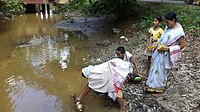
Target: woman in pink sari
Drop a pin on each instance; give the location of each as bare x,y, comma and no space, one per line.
165,54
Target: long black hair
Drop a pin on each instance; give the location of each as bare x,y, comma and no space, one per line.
171,16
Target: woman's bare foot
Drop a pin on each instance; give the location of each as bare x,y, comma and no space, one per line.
77,100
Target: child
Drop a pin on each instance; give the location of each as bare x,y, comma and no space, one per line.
153,35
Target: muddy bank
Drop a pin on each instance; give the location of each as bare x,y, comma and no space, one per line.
89,26
183,89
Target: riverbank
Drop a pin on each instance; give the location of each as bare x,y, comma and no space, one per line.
183,89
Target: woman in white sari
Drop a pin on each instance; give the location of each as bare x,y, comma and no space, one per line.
166,53
107,77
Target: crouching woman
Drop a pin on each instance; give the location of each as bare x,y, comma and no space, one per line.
107,77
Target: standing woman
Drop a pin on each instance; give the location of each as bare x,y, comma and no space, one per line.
165,54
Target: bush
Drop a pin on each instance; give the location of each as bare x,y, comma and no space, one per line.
102,7
188,16
9,8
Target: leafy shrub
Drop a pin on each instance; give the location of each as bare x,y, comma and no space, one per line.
187,15
102,7
9,8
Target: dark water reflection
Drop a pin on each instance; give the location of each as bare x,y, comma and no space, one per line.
40,66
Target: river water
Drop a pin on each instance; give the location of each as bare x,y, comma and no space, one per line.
40,66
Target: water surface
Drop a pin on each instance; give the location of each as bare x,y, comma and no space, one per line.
40,66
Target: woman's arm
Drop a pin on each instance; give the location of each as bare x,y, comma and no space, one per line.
181,42
132,60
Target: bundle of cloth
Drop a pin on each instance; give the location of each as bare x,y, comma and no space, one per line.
108,77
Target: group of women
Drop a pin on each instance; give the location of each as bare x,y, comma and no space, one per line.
109,76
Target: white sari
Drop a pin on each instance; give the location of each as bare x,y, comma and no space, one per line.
103,77
162,62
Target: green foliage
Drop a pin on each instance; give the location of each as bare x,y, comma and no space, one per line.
117,7
9,8
102,7
188,16
72,5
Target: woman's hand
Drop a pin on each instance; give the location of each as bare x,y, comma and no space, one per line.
161,48
165,48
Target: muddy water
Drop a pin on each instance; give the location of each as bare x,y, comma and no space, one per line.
40,66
